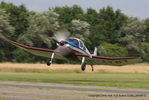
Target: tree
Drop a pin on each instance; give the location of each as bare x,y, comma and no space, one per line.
112,50
111,21
18,16
18,19
79,29
91,16
105,26
145,51
6,31
131,34
41,28
77,12
67,14
146,33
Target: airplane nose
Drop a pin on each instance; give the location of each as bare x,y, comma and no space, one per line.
62,42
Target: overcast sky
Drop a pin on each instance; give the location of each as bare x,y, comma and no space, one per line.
139,8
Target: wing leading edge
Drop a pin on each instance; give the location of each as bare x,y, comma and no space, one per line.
36,51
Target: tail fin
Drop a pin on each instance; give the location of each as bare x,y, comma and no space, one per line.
95,52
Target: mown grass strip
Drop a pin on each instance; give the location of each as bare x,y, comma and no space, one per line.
94,79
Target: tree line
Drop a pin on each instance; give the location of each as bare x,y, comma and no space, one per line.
114,33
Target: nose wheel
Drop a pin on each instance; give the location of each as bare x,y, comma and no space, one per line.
49,61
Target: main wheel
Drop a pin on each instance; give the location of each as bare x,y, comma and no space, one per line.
83,66
48,62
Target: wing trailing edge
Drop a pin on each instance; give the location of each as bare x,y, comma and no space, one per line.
107,58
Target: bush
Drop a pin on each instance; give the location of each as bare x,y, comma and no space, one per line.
115,50
145,51
112,50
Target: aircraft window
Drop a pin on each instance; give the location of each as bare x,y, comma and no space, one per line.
75,41
81,44
84,48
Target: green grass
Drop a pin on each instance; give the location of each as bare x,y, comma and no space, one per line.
94,79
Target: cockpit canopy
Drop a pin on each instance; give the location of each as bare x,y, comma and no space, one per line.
78,42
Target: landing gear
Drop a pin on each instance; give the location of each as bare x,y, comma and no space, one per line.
83,66
92,68
49,61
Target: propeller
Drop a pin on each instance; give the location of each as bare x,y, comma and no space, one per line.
61,36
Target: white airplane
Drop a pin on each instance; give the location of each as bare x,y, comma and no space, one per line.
71,49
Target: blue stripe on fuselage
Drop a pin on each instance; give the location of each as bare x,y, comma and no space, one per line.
74,45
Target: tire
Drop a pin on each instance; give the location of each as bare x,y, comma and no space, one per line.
83,66
48,62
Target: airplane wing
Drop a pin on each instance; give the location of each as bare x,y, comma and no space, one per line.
107,58
113,58
96,59
47,53
36,51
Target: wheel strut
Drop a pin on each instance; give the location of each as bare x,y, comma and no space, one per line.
49,61
83,65
92,68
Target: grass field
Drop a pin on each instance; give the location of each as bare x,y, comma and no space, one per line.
17,67
131,76
95,79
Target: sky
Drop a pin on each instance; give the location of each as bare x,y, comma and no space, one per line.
135,8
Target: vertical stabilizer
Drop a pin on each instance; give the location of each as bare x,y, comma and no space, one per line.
95,52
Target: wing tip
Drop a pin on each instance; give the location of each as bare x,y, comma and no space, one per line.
28,47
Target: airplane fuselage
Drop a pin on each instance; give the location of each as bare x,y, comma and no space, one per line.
69,48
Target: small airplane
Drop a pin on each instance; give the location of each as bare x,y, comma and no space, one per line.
71,49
